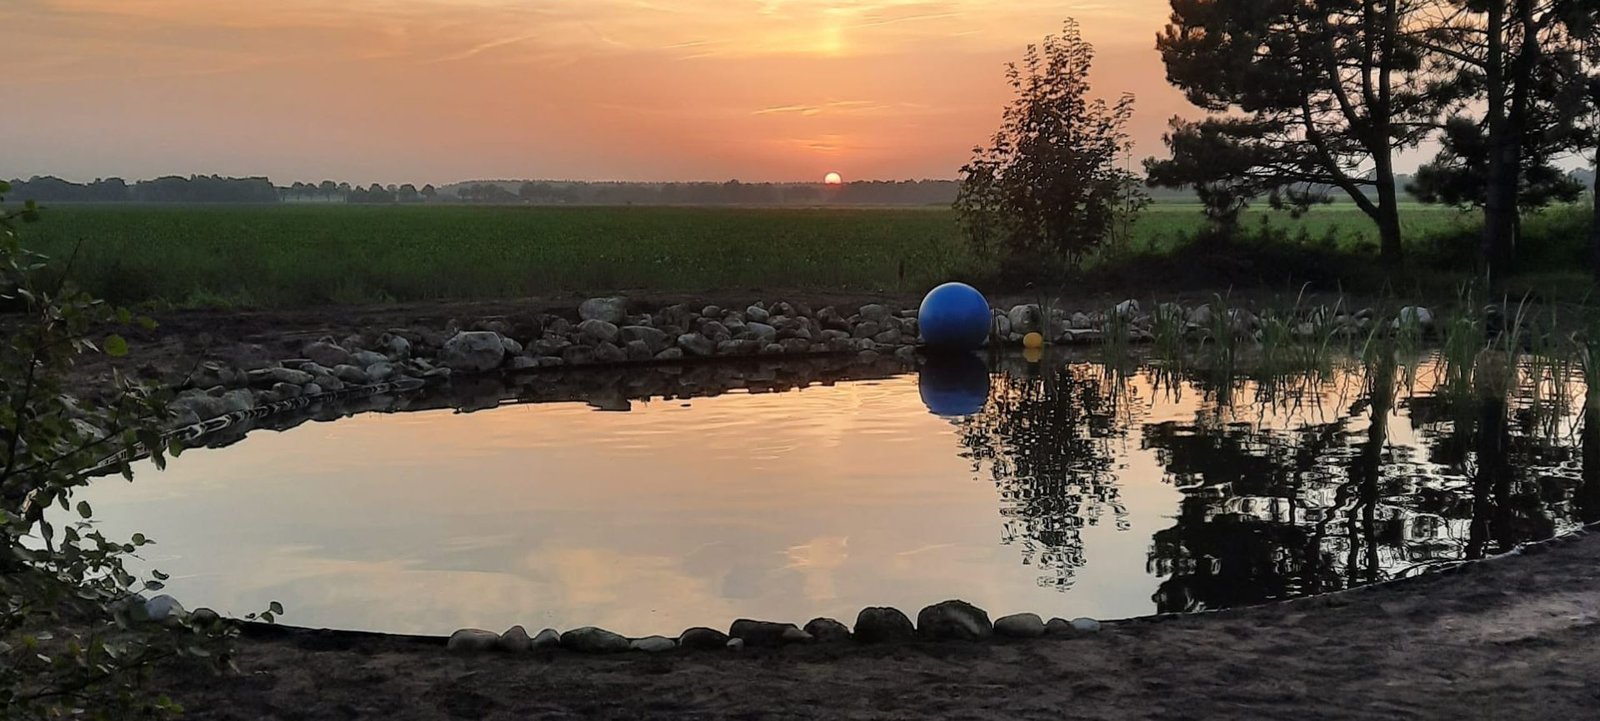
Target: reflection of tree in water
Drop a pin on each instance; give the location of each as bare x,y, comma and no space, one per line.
1045,436
1274,513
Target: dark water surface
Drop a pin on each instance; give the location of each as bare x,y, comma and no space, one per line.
1055,487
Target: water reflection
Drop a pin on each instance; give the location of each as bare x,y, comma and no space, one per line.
1057,485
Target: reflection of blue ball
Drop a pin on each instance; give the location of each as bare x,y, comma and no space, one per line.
954,316
954,384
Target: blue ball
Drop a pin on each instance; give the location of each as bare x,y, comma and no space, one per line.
954,316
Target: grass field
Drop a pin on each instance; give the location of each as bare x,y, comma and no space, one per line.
311,254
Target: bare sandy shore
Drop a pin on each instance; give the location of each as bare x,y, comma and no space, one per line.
1511,638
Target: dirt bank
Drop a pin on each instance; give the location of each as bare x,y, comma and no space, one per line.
1512,638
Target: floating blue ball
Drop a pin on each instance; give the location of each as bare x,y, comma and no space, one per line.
954,316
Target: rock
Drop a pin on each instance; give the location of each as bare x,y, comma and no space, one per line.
593,332
325,353
875,312
766,633
1025,318
827,630
1084,624
1126,309
204,617
611,310
609,353
715,331
1058,627
701,637
546,639
756,314
397,348
272,376
521,363
577,355
867,329
515,640
761,332
831,319
711,311
472,352
1202,316
195,406
883,624
868,357
549,346
954,620
1020,625
695,345
473,639
364,358
637,351
352,375
906,354
890,337
735,644
329,383
512,347
381,372
311,389
1413,316
653,644
593,640
653,338
236,401
670,354
286,390
771,349
164,607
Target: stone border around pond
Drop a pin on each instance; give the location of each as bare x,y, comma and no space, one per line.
402,360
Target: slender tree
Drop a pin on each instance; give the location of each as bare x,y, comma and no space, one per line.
1307,97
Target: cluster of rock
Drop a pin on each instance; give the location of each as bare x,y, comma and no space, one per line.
1194,323
947,621
604,333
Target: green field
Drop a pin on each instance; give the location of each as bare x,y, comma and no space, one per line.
312,254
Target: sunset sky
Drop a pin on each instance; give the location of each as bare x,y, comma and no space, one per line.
445,90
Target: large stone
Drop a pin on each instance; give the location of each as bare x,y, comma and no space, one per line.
827,630
883,624
473,639
515,640
163,607
473,351
957,620
654,338
364,358
1413,316
1084,624
238,400
590,639
875,312
272,376
1020,625
715,331
767,633
382,372
695,345
398,348
611,310
546,639
593,332
761,332
756,314
1025,318
351,374
609,353
653,644
638,351
701,637
325,353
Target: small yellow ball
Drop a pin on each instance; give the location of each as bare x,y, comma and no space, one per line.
1033,355
1033,340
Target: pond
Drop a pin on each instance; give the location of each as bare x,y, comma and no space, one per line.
1061,487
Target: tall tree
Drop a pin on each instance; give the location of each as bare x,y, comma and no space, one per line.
1307,96
1522,60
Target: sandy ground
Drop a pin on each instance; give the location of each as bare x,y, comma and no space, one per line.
1511,638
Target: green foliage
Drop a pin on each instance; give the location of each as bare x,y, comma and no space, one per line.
1049,188
74,641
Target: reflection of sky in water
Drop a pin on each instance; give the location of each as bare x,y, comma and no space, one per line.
779,506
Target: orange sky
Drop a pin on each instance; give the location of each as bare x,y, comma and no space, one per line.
443,90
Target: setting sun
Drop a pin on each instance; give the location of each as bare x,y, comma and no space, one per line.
832,179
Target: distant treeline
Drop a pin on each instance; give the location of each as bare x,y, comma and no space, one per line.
219,189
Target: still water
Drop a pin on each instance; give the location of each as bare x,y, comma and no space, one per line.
1056,487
